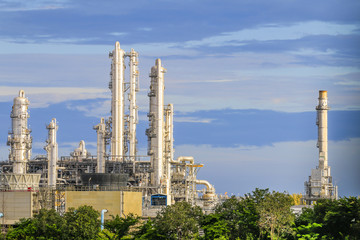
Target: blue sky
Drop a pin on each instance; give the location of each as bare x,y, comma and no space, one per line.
243,77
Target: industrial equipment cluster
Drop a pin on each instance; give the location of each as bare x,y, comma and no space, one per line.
118,178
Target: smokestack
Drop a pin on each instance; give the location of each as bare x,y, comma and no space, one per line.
322,111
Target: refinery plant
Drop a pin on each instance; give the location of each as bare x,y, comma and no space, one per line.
118,178
58,182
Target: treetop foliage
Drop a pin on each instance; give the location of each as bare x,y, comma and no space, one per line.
258,215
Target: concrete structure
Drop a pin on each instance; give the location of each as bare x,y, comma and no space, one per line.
320,183
119,203
17,205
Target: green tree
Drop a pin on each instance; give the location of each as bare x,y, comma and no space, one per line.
82,223
240,215
215,228
340,219
178,221
120,226
47,224
147,231
307,232
276,218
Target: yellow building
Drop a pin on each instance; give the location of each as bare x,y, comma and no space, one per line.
116,202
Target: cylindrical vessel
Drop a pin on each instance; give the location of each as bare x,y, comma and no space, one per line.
157,121
19,139
117,106
52,153
133,118
101,147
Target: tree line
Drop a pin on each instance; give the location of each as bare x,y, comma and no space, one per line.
258,215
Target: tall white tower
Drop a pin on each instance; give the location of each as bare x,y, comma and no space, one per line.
19,139
155,132
101,145
52,153
320,182
321,121
133,109
117,103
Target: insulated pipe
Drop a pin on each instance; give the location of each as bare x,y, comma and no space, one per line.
322,110
117,103
209,187
19,139
101,147
210,190
186,159
52,153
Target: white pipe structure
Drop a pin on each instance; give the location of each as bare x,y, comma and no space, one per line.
101,145
322,119
169,145
117,103
156,117
52,153
210,190
19,139
133,114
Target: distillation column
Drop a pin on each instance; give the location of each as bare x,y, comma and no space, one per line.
169,145
52,153
19,139
156,117
117,103
133,114
101,145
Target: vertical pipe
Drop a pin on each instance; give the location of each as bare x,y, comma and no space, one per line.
134,76
117,103
102,218
52,152
19,139
322,112
101,147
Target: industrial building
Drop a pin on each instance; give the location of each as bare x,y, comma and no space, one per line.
117,178
320,184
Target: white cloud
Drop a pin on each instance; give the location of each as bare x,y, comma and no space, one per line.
146,29
44,96
98,109
192,119
118,33
34,5
282,167
273,32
